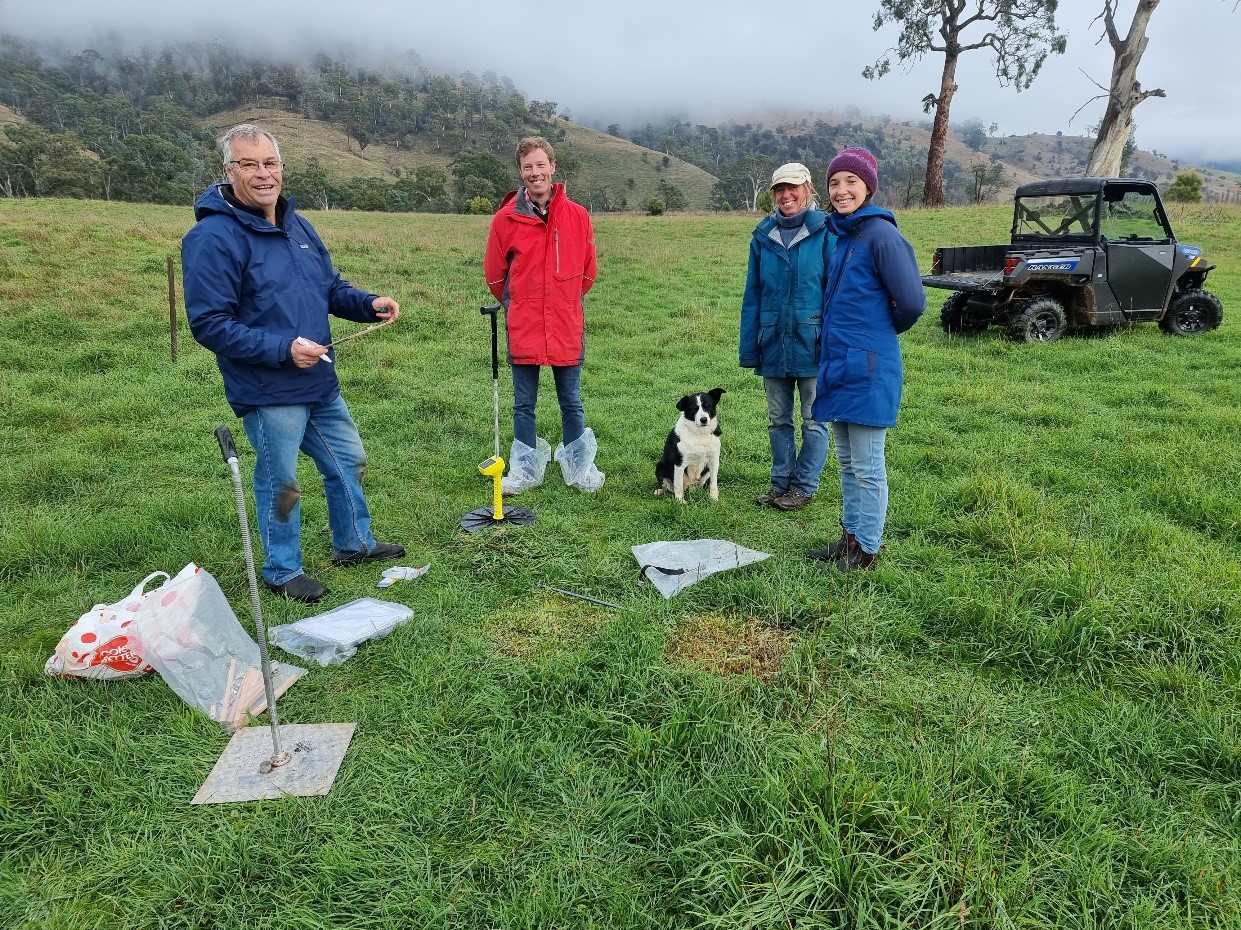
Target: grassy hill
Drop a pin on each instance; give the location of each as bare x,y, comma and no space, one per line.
627,170
612,168
1061,155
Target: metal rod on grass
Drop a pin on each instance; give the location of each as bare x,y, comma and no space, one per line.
583,597
228,449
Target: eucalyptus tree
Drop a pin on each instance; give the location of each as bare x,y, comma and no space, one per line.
1019,33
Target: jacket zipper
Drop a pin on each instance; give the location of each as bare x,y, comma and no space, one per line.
556,239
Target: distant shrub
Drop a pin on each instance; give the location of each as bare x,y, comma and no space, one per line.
1187,188
656,206
479,206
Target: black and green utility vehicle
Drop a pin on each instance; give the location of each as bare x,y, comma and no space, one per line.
1085,252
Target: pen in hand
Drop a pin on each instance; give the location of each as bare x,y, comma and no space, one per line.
302,340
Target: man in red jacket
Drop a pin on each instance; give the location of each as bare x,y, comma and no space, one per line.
540,262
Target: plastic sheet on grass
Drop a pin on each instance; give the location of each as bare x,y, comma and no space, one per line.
674,566
332,637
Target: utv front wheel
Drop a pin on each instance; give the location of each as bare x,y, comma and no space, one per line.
956,320
1040,320
1192,312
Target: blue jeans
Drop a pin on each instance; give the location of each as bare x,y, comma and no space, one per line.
327,434
863,481
791,470
568,392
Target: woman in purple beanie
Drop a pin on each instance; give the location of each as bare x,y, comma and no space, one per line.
874,292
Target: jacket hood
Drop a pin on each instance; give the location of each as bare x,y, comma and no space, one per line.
815,218
213,200
843,225
521,206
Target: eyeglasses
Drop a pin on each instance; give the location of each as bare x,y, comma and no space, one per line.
249,165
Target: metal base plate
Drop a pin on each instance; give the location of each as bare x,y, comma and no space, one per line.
316,752
484,518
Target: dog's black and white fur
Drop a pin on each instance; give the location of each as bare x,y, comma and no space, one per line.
692,450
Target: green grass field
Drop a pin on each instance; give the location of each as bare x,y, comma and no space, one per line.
1025,717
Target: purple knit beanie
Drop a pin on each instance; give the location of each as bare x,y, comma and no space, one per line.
860,162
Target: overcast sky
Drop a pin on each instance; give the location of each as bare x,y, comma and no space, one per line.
709,60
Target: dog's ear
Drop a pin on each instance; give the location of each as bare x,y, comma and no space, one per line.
684,402
715,393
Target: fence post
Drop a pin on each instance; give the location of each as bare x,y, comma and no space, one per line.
172,310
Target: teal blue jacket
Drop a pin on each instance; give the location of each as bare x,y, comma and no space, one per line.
782,309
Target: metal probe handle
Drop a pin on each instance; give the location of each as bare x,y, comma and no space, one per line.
493,310
228,449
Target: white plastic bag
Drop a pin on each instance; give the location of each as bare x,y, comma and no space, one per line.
195,642
674,566
332,637
526,466
577,462
102,644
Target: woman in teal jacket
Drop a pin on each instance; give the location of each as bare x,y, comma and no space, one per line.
781,315
874,292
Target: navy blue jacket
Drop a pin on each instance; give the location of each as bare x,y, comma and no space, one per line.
251,288
782,309
874,292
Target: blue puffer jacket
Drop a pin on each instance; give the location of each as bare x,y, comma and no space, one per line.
251,288
782,309
874,292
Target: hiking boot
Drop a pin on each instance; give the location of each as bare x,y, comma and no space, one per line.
793,500
302,588
381,553
856,558
835,550
768,497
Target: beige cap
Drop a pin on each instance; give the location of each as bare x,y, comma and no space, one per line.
794,173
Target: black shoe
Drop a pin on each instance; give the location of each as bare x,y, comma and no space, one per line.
835,550
856,559
302,588
381,553
768,497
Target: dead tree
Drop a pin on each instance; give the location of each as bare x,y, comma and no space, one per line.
1125,92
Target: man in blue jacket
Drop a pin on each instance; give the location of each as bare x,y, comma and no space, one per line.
259,285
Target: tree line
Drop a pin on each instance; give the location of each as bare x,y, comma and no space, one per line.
126,126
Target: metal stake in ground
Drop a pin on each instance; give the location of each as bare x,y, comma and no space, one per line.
246,772
487,517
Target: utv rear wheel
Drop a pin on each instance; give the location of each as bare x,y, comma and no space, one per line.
1040,320
1192,312
956,320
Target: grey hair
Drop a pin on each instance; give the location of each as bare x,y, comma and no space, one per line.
250,133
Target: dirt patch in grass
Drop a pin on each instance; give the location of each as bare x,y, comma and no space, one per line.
540,626
729,645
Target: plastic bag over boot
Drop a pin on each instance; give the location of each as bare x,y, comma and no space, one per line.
526,466
577,462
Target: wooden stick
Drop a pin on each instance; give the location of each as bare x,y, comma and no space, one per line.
251,683
226,700
363,332
260,703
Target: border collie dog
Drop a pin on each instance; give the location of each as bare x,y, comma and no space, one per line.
692,450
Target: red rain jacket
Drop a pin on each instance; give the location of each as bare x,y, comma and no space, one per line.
540,271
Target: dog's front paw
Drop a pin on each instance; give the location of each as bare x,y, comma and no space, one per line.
659,492
715,495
